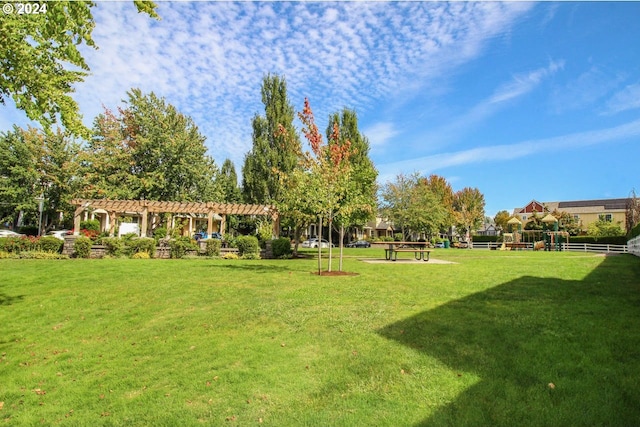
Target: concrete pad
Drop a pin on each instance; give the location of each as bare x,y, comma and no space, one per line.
405,261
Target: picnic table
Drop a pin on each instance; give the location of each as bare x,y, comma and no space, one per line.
419,249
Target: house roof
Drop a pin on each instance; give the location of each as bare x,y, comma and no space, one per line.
608,204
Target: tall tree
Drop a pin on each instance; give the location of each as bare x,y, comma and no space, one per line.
33,163
468,204
397,199
441,188
154,149
40,61
275,145
229,182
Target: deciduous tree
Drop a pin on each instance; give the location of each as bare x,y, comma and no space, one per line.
468,204
40,60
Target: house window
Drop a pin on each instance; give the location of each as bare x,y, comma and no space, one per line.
605,217
524,217
577,218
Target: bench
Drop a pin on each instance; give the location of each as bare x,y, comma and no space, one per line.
417,253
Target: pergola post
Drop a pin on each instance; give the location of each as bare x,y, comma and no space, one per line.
210,222
223,223
143,228
276,225
113,219
76,220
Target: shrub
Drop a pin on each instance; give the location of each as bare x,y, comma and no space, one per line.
635,231
251,255
160,233
41,255
90,225
141,255
5,254
50,244
212,247
180,245
281,247
230,255
15,244
82,247
142,244
114,246
247,245
480,239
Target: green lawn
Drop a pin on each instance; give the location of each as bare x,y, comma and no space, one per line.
499,338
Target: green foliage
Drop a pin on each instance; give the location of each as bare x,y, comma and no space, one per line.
114,246
251,255
603,240
82,247
90,225
159,233
15,244
180,245
39,255
635,231
141,255
468,206
602,228
264,232
32,164
275,145
247,245
229,182
281,247
212,247
164,157
50,244
142,244
501,220
40,60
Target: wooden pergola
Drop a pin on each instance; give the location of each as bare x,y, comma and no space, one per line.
115,208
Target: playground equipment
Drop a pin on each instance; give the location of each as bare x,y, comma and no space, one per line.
549,238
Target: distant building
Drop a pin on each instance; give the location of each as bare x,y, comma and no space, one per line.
585,212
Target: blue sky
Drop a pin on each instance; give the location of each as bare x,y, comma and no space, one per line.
521,100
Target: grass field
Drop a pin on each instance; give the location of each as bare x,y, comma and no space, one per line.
498,338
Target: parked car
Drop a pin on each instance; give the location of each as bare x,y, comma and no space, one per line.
59,234
9,233
313,243
358,244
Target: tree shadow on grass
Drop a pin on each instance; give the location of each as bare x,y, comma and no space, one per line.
8,299
258,268
547,351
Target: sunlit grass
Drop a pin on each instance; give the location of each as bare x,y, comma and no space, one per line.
215,342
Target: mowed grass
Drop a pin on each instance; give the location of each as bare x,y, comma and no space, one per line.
499,338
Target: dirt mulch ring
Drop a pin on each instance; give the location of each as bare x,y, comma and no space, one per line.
334,273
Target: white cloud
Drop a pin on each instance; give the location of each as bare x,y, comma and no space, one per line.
379,134
626,99
498,153
208,58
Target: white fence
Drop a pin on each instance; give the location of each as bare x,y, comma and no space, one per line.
577,247
633,246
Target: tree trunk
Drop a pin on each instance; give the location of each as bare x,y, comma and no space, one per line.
296,236
330,251
319,239
341,246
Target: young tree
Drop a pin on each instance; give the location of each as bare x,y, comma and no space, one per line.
468,204
275,145
396,201
441,188
40,61
359,208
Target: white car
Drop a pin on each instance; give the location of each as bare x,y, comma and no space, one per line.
9,233
313,243
58,234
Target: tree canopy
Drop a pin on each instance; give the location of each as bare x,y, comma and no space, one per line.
40,61
157,152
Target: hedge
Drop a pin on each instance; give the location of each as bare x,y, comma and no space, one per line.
212,247
635,232
610,240
82,247
482,239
